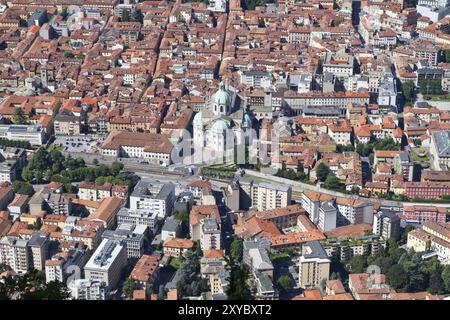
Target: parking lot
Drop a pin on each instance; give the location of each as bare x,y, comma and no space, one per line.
78,144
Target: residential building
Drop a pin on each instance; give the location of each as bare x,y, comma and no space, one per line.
139,217
177,247
15,253
64,263
267,196
210,234
314,265
154,197
171,228
387,225
131,235
38,244
146,270
327,217
85,289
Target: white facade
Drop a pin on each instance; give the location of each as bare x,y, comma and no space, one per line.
106,263
85,289
327,217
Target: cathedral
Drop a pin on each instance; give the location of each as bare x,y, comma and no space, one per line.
224,114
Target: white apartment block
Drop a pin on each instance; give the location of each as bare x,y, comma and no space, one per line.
327,217
85,289
14,252
153,197
353,212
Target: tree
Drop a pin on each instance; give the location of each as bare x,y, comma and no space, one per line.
236,248
19,116
408,90
238,280
285,283
397,277
56,290
333,183
32,286
345,148
357,264
161,293
116,167
446,277
404,236
261,23
38,224
447,56
436,283
410,3
430,86
322,172
100,181
128,287
69,55
125,16
95,162
22,187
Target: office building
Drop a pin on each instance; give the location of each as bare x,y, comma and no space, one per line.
107,263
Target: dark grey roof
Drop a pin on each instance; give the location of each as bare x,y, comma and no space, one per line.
38,239
317,251
442,142
145,189
171,224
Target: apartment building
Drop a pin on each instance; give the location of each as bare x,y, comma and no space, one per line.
107,263
427,190
267,196
177,247
432,237
197,215
14,252
139,217
210,236
131,235
171,228
311,202
387,225
146,270
353,211
284,217
341,65
327,217
154,197
85,289
314,265
38,244
12,161
62,264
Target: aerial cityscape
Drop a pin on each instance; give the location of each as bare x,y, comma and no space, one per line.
224,150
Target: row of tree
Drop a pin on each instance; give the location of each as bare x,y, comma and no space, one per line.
45,166
15,143
405,271
32,286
